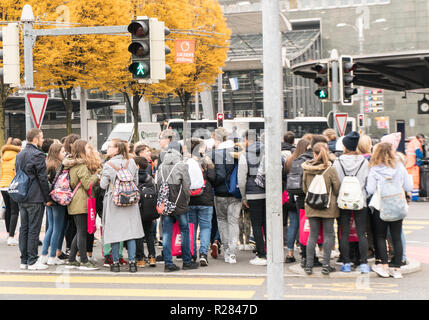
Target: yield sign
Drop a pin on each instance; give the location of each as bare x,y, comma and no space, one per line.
37,103
341,121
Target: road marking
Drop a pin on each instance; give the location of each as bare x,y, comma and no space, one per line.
116,292
325,297
423,222
406,227
135,280
349,287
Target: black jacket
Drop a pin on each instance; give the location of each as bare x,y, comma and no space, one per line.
288,146
209,174
33,161
224,162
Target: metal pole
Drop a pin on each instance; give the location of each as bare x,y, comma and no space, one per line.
27,19
197,106
335,86
361,89
273,113
220,93
83,115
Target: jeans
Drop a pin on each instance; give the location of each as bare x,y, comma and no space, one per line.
80,239
131,246
167,234
228,214
12,213
56,216
293,228
329,238
201,216
31,222
404,256
259,225
150,241
360,221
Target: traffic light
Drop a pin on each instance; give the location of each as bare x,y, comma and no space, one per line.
347,68
148,49
220,117
322,80
360,120
9,54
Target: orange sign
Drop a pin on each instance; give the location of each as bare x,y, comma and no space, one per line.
185,51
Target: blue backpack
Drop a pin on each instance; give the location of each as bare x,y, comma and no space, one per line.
233,183
18,188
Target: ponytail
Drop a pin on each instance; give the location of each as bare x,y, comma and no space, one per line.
322,153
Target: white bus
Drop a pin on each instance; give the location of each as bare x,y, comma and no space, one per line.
202,129
315,125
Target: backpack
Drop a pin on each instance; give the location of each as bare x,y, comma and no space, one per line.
294,177
393,204
197,179
317,194
350,196
233,188
18,188
163,204
125,191
62,192
148,197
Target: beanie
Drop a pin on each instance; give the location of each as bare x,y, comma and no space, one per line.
351,141
393,138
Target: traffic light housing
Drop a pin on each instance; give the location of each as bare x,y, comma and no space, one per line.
9,54
361,123
148,50
220,117
347,77
322,80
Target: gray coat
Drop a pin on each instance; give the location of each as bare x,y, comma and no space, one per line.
119,223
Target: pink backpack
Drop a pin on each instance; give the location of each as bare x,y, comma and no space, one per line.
62,192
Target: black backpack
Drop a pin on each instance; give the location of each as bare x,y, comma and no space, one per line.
148,198
294,177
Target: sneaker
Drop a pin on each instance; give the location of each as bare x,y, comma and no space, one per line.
78,258
107,261
23,266
114,267
290,259
38,266
203,260
63,256
179,257
52,261
326,270
72,264
160,258
380,270
194,258
231,259
122,262
152,262
308,270
257,261
364,268
190,266
141,263
159,244
43,259
395,273
215,248
335,254
12,241
133,267
248,247
346,267
171,268
92,259
89,266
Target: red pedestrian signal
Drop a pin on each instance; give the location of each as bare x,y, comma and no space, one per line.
220,120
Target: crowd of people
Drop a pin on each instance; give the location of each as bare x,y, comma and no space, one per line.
217,196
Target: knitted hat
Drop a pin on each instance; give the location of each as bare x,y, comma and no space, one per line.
351,141
393,138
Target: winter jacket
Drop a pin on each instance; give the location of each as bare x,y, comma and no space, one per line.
79,172
8,158
247,171
332,145
119,223
311,169
224,161
380,172
351,164
209,174
287,147
179,181
33,161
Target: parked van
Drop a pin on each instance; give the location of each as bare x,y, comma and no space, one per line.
148,132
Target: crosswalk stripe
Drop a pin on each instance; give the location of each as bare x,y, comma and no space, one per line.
114,292
421,222
407,227
135,280
325,297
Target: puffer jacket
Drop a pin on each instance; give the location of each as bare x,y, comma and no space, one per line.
179,181
79,172
311,169
8,158
247,171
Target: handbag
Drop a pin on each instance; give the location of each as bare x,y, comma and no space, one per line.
176,239
304,229
92,215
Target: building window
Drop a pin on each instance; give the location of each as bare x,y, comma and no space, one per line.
330,4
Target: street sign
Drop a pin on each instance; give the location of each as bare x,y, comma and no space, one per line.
37,103
341,121
185,51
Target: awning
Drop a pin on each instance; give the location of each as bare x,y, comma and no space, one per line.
405,71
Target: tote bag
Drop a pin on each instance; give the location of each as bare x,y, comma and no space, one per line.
92,216
176,239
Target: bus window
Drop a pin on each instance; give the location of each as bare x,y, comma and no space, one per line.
300,128
258,127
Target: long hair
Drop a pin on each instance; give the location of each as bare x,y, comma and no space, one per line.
53,159
122,148
301,147
78,152
14,142
322,153
383,154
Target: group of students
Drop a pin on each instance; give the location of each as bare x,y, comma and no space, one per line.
203,189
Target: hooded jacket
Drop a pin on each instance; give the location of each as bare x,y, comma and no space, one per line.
379,173
311,169
225,157
351,164
179,181
8,158
247,171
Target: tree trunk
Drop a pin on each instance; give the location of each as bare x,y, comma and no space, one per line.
184,101
68,106
135,110
4,93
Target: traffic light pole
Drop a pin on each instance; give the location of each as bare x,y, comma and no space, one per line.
335,86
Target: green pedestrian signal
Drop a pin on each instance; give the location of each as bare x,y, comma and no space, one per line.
139,69
322,94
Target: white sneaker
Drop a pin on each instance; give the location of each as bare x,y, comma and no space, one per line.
78,258
12,241
380,270
38,266
395,273
335,254
92,259
258,261
248,247
23,266
43,259
54,261
232,259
